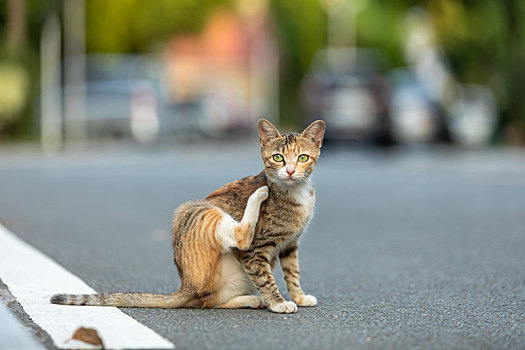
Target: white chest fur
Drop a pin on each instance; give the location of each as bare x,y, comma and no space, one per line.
304,195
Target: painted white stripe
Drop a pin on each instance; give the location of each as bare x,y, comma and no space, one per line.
33,278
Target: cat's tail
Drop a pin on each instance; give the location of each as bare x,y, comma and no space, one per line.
167,301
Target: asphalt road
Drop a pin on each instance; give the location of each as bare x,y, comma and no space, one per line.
408,249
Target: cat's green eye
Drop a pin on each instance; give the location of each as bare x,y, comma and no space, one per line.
303,158
278,157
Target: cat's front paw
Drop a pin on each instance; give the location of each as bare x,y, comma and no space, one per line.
287,307
261,194
307,300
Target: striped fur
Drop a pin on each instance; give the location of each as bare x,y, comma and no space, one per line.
226,245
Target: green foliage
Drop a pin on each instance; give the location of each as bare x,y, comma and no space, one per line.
137,26
301,27
380,24
484,40
13,90
21,71
301,31
473,38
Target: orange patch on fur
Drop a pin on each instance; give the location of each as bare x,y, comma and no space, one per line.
201,253
243,236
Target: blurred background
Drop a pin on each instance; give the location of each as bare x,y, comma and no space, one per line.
113,112
379,72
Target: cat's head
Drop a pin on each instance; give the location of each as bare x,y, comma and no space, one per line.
289,159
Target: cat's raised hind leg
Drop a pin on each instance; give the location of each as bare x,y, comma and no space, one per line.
245,231
240,235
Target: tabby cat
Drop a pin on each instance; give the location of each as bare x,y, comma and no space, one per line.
226,245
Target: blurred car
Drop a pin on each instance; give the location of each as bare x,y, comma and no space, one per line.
345,88
124,97
474,116
416,117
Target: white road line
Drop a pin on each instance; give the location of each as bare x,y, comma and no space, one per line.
33,278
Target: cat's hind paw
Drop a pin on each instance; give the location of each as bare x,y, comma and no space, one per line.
307,300
261,194
287,307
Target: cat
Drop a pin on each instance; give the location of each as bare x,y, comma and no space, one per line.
226,245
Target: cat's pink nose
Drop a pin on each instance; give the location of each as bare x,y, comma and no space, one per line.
290,171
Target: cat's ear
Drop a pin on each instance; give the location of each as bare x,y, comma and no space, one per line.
267,131
315,132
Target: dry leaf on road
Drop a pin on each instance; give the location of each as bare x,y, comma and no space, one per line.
88,335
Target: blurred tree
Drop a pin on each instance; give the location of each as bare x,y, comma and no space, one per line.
19,63
138,26
514,74
485,42
16,26
301,30
380,25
